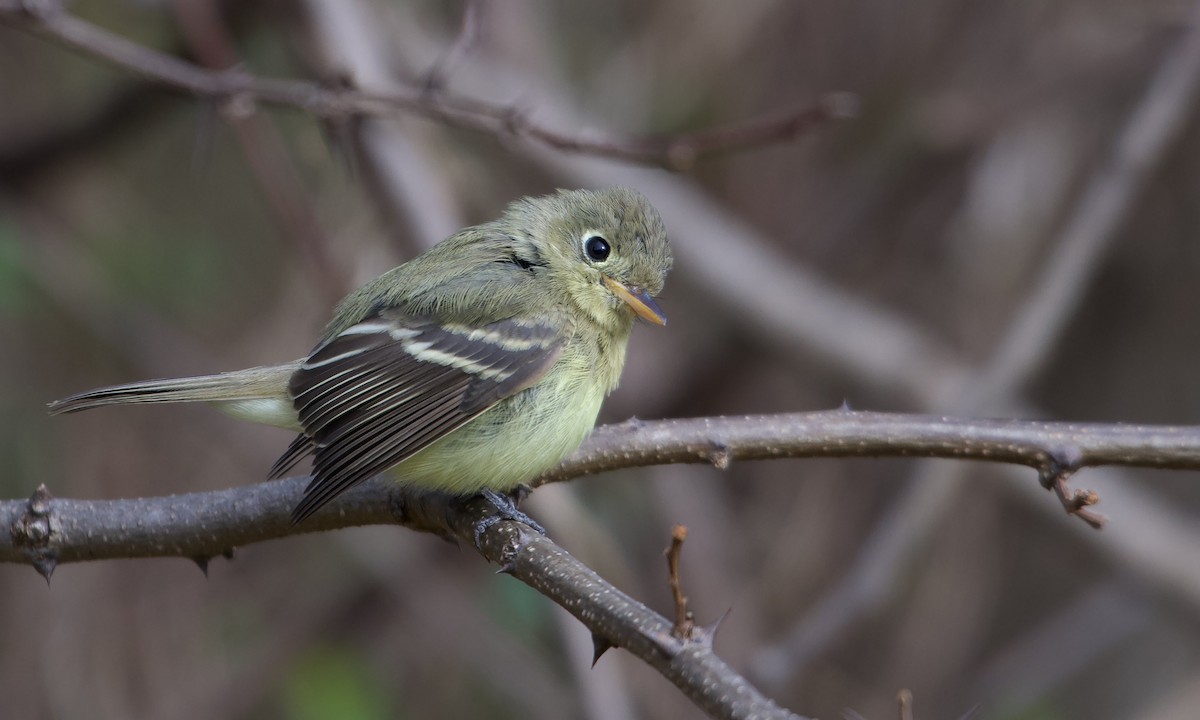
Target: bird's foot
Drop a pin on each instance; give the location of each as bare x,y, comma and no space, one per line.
506,509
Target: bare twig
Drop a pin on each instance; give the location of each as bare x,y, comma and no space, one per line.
464,43
49,19
684,623
904,701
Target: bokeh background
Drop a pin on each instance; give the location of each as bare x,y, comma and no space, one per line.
1006,229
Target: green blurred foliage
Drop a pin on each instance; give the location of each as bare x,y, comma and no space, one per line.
329,682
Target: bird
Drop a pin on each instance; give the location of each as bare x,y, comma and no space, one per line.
472,368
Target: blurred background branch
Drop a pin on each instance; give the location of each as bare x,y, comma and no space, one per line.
239,91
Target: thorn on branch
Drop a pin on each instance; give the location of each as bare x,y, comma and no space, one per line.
684,622
202,563
600,645
708,633
45,563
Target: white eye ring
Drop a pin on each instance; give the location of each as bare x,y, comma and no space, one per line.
595,247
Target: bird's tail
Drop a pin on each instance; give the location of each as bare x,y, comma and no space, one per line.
236,392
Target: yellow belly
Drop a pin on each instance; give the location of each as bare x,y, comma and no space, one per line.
510,443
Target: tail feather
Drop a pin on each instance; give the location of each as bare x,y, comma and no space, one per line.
260,383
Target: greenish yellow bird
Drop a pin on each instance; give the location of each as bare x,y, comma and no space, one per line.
472,368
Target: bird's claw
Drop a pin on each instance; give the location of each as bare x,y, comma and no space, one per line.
506,509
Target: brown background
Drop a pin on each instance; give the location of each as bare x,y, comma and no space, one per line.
882,261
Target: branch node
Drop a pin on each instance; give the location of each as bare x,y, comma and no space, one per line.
39,501
514,121
666,643
35,530
681,155
720,455
600,645
1058,467
36,526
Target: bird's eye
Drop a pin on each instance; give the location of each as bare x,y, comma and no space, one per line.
597,248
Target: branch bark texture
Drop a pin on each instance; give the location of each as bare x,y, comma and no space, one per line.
202,525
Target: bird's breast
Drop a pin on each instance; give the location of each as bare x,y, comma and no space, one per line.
515,440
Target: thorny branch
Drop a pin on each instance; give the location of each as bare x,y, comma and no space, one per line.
208,524
44,531
235,88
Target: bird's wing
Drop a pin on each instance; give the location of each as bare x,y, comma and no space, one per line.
386,387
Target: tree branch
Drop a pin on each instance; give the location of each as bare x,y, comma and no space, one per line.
46,531
202,525
48,19
209,524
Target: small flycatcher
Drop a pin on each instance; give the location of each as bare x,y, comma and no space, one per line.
474,367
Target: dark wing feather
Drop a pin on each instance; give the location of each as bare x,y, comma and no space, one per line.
391,385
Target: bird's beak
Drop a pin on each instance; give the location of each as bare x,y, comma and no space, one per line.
639,300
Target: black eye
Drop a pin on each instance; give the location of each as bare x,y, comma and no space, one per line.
597,248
